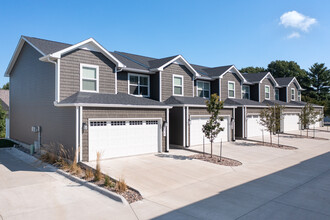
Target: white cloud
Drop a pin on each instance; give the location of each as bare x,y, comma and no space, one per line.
293,35
296,20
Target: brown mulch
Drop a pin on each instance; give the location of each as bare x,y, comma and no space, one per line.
216,159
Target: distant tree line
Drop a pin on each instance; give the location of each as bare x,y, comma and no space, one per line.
316,80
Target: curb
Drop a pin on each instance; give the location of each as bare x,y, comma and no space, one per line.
31,159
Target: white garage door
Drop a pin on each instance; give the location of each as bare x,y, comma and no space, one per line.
253,127
123,138
196,133
291,122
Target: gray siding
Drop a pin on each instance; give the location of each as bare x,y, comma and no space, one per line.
282,94
215,86
254,110
262,89
239,122
176,126
254,92
292,110
91,112
224,86
122,82
167,80
32,93
292,85
70,72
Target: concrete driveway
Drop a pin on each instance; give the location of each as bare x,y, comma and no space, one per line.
30,191
272,183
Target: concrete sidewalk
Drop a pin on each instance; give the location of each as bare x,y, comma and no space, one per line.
29,190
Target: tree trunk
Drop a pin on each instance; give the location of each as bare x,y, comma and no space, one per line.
271,141
211,148
307,132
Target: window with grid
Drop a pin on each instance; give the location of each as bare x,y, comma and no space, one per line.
267,92
292,94
89,78
139,85
203,89
231,89
177,85
246,92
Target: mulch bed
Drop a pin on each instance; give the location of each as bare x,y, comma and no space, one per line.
216,160
131,195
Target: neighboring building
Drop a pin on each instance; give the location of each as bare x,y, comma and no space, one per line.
4,100
121,104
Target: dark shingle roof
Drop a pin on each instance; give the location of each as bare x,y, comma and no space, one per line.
300,103
129,63
254,77
47,46
278,102
235,102
217,71
159,62
100,98
181,100
284,81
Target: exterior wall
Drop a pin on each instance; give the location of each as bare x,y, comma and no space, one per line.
282,94
203,112
122,82
215,86
70,72
176,126
254,92
269,83
239,122
254,110
167,80
32,93
292,85
94,112
292,110
224,86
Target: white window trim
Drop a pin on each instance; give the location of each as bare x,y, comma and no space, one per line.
204,82
173,76
266,92
294,95
138,75
97,76
228,89
278,94
248,91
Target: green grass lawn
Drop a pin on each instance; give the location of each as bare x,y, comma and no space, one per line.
6,143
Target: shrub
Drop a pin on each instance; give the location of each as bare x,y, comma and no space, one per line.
88,174
121,185
107,181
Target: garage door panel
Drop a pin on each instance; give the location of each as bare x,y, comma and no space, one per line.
254,128
196,133
291,122
123,138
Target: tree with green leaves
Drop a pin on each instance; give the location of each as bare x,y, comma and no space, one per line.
6,86
278,117
320,78
251,69
308,116
268,121
212,127
3,115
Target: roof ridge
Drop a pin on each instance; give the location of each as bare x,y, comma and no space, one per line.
127,57
46,40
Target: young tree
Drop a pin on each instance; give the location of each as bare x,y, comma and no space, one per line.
268,120
212,127
278,117
308,116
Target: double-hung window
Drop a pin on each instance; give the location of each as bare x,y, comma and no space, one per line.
267,92
89,78
246,92
138,85
203,89
299,95
178,85
292,94
231,89
277,94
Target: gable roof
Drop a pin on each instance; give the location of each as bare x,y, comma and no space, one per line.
254,77
243,102
286,81
4,99
46,46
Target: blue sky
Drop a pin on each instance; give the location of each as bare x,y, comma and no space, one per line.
211,33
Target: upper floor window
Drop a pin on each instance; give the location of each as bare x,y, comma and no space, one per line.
177,85
246,92
292,94
138,85
299,95
277,94
89,78
267,92
231,89
203,89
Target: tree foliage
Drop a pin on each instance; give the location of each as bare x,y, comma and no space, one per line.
309,116
3,116
319,76
6,86
212,127
268,120
252,69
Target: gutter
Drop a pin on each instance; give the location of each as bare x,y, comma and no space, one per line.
110,105
135,70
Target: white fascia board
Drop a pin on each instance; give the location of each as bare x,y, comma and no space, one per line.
198,106
161,68
16,53
236,70
135,70
269,74
59,54
294,79
206,78
110,105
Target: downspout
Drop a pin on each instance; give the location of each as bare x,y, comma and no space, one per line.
167,131
77,135
187,126
80,132
184,125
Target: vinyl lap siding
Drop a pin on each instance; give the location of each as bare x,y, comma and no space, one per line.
167,80
32,94
271,90
70,72
89,112
122,82
224,86
292,85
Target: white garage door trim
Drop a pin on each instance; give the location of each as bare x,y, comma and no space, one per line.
255,131
291,121
227,117
159,133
